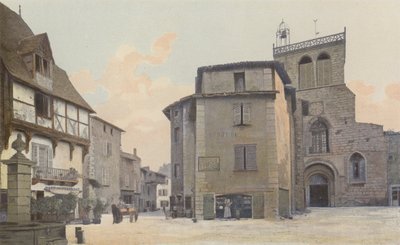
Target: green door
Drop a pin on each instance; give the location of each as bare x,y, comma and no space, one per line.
258,206
208,206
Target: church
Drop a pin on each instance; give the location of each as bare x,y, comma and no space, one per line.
275,137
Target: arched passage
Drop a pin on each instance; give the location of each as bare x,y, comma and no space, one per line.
319,185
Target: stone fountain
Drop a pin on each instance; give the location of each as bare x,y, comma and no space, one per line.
19,229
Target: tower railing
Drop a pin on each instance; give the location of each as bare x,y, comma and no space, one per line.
310,43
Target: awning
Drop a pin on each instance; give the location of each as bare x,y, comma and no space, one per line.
63,190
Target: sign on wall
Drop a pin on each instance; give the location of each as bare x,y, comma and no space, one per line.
208,163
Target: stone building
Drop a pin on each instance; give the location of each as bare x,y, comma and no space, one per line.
319,155
102,164
393,142
232,140
38,100
129,178
148,196
164,189
339,162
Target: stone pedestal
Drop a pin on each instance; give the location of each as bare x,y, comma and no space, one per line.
19,185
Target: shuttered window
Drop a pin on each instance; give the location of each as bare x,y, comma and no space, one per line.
306,73
42,155
357,168
245,157
241,114
324,70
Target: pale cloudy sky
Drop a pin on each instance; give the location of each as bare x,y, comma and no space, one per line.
130,59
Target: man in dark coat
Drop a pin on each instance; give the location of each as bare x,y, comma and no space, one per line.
116,213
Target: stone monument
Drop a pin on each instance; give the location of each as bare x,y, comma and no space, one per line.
19,229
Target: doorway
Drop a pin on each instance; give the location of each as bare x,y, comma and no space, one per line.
318,191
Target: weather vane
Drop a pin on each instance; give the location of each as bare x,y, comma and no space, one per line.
315,27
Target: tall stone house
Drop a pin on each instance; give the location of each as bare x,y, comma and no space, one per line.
148,184
231,141
275,137
102,164
129,178
38,100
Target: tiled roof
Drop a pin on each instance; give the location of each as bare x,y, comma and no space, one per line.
16,38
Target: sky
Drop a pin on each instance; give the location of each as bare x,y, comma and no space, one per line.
130,59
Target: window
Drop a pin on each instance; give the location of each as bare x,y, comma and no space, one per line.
239,82
111,131
148,190
126,180
176,113
104,128
319,138
176,170
305,107
357,168
245,157
324,70
164,203
176,135
107,148
105,177
128,199
241,114
42,105
306,73
42,155
42,66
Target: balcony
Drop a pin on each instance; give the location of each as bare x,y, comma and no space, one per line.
55,176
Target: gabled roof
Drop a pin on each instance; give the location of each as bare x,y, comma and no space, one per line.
32,43
16,38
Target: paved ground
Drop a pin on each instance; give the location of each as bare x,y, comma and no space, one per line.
365,225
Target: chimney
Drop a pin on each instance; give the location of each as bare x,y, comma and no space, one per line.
134,151
20,11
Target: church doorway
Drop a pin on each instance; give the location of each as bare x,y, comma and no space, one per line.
318,191
319,181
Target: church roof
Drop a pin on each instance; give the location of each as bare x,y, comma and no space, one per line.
17,38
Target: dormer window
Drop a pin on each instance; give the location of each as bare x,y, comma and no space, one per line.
42,66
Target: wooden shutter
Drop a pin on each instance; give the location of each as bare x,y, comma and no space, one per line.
49,157
258,206
42,156
239,157
236,114
247,113
251,157
35,152
208,206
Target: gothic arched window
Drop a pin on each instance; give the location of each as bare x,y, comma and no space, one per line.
306,73
319,137
357,168
324,70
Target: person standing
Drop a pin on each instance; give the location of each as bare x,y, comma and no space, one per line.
115,212
227,209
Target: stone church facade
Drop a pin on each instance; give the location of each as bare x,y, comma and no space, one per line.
310,150
339,162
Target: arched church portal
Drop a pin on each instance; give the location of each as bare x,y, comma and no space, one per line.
319,181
